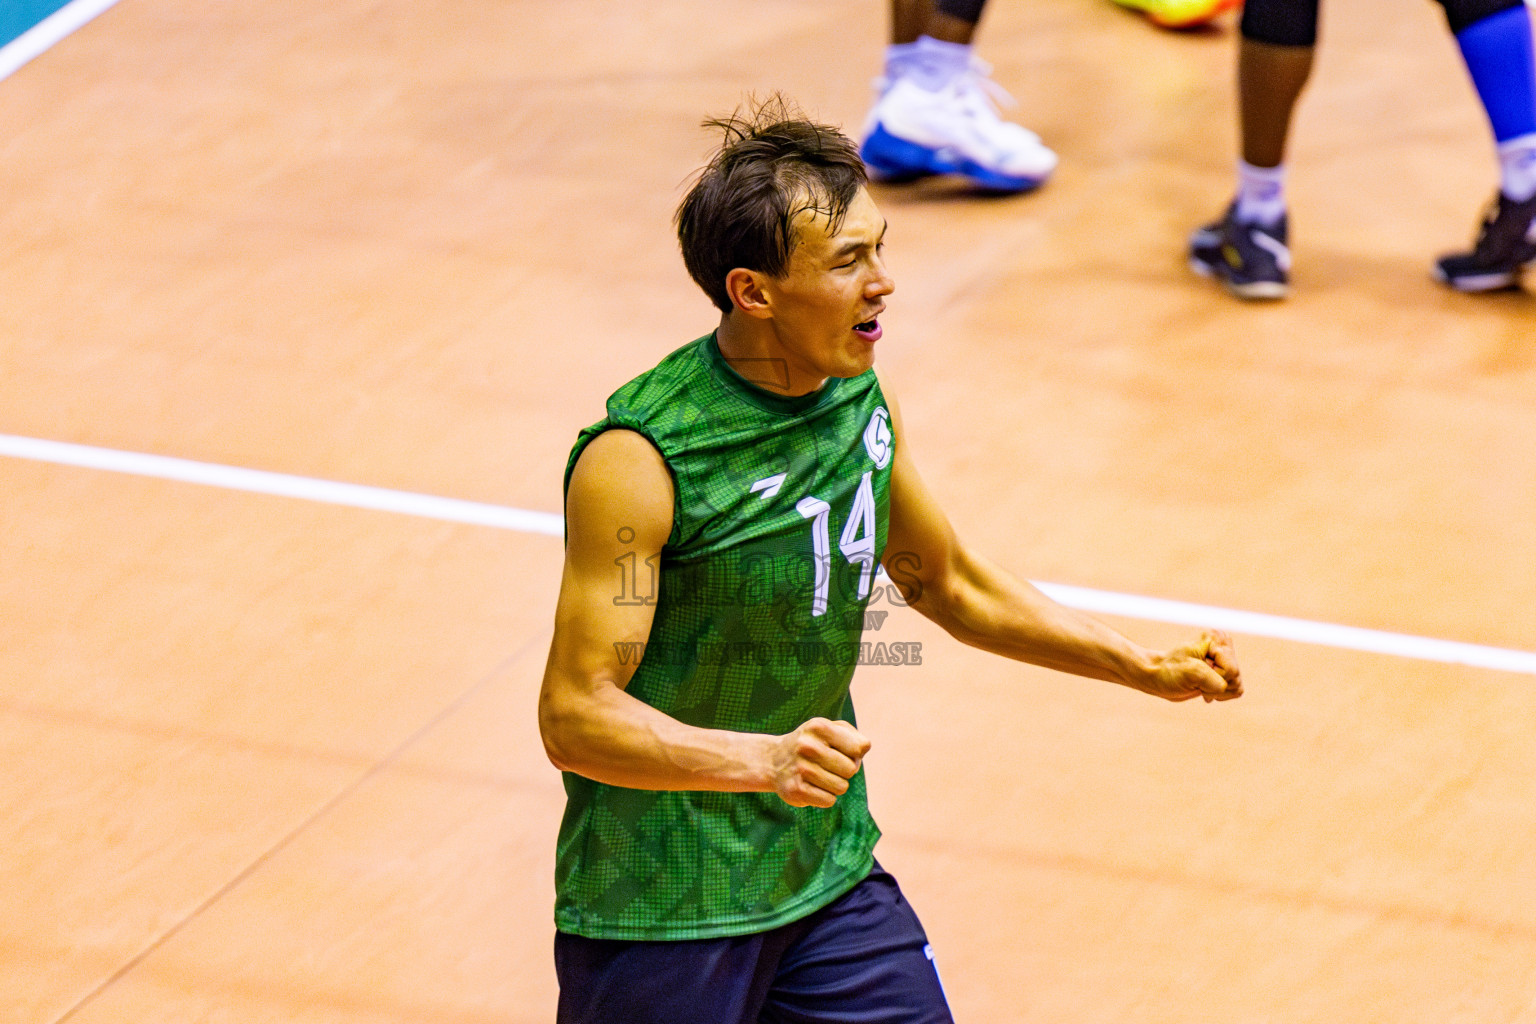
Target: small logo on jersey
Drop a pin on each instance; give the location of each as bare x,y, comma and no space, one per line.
928,952
769,485
877,438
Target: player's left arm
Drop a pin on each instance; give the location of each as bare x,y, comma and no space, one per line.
985,606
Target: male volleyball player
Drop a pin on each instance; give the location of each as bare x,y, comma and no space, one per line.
716,859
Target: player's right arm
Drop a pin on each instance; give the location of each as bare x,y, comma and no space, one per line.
590,724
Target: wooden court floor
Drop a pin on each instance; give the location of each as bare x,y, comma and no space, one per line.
269,760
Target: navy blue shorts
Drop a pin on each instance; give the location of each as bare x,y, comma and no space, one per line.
863,959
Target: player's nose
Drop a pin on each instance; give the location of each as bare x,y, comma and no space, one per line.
882,283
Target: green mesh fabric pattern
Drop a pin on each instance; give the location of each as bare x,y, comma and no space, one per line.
780,520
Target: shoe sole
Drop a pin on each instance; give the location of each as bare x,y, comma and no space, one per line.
1253,291
894,159
1481,282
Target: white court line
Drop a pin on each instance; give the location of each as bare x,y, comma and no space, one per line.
259,481
453,510
42,36
1323,634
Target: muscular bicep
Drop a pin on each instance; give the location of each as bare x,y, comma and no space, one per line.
618,516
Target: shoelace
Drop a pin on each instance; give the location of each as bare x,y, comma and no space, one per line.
979,73
1490,216
985,97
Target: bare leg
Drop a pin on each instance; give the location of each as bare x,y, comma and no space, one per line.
909,19
1269,81
950,29
913,18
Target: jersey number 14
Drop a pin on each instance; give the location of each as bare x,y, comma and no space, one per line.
857,542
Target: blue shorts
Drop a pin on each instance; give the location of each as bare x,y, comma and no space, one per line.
863,959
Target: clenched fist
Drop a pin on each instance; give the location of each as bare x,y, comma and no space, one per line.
812,765
1204,668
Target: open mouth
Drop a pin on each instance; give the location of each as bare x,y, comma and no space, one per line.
869,330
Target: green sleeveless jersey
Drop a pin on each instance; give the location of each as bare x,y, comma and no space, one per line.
760,591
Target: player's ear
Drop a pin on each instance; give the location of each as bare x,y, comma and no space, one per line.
746,290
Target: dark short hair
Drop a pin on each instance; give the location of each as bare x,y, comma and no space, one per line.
772,165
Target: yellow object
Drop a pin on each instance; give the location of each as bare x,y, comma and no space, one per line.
1180,13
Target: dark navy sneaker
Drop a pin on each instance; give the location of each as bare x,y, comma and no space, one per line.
1506,245
1252,260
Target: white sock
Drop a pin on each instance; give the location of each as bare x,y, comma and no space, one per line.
1517,167
1260,194
900,60
929,62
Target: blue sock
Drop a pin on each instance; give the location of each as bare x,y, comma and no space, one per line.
1498,54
